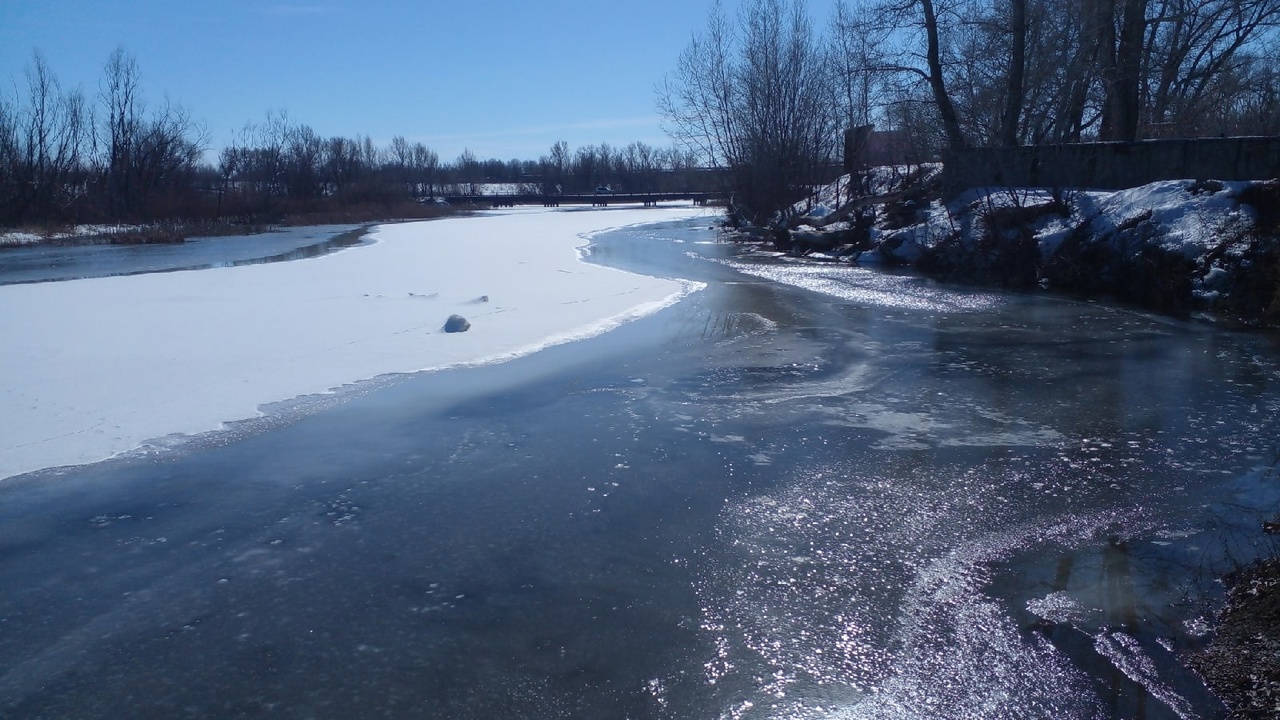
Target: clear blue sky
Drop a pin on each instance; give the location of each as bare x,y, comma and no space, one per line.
502,78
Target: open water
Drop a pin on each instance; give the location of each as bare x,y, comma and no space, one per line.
807,491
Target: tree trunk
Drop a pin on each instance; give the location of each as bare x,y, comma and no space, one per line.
1121,64
1129,62
950,120
1017,72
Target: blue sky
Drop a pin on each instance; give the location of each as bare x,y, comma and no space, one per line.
504,79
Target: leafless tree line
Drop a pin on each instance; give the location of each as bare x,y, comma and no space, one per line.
1013,72
637,167
66,158
755,96
281,161
282,167
60,156
765,95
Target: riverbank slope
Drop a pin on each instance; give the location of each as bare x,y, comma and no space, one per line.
1181,247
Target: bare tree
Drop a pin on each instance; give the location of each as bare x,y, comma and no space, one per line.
1120,58
855,61
937,78
1004,72
1061,73
43,143
145,158
467,169
401,157
307,156
426,163
586,168
556,166
9,176
911,52
341,163
231,162
1247,99
123,112
604,164
167,148
1016,91
638,159
1198,55
754,98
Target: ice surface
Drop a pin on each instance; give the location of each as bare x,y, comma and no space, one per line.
93,368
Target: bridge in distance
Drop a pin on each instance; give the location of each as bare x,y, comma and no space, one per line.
593,199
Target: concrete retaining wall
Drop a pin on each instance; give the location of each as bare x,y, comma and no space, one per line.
1112,165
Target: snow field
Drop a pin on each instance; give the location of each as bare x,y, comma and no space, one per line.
96,367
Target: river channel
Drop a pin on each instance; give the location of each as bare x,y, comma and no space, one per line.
806,491
45,262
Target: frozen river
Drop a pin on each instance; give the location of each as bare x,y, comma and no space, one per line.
803,492
42,262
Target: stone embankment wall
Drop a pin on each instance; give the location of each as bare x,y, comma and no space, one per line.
1112,165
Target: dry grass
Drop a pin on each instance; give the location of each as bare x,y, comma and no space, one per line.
1242,663
178,231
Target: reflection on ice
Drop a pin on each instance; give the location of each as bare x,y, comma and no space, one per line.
797,608
1129,657
949,448
872,288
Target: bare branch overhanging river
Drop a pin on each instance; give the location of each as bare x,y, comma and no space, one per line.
803,492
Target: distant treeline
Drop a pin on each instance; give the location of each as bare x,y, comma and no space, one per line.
764,94
67,159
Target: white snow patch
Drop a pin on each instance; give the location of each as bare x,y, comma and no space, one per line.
1184,217
96,367
22,237
1188,220
17,237
879,180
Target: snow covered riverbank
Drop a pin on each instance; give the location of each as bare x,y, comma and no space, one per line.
1175,246
93,368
